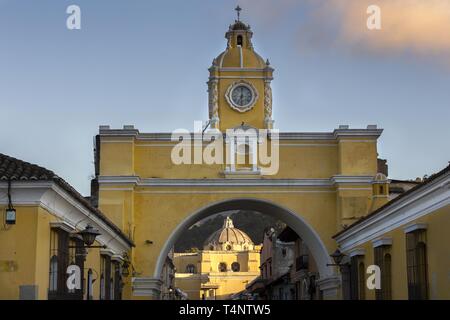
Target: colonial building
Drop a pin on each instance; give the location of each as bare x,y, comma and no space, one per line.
229,260
303,271
408,238
277,258
43,232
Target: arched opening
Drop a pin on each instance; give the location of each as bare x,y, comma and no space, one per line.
309,236
239,40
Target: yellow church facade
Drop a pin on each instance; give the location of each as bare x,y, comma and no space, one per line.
228,262
323,180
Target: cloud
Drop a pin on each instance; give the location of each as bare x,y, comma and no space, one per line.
417,27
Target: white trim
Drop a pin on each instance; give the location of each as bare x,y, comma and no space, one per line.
107,252
62,225
237,182
357,252
235,192
117,258
333,136
414,227
382,242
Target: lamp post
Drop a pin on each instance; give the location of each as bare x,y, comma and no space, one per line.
89,234
337,257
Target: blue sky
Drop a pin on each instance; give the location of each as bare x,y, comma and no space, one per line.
145,63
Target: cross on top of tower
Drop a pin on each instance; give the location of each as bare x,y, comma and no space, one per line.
238,10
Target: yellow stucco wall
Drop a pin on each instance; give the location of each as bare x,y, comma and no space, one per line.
24,260
438,259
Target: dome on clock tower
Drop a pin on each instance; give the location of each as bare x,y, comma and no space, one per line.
239,52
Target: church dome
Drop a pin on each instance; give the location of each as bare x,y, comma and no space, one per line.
229,238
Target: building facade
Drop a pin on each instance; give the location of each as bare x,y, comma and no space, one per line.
407,239
40,238
229,260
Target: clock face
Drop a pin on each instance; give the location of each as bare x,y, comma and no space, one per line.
241,96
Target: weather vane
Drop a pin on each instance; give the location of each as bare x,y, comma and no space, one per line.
238,10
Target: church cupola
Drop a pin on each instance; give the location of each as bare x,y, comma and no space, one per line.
239,34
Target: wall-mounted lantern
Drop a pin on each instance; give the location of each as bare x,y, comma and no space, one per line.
337,257
10,215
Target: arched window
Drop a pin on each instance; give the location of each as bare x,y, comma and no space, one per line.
383,260
222,267
416,262
239,40
190,268
228,247
235,267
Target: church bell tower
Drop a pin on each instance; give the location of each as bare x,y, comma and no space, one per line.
239,83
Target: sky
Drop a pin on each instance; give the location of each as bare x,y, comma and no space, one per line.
146,63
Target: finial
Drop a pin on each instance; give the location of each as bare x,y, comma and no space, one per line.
238,10
228,223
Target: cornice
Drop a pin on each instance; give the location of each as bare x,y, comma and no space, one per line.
336,135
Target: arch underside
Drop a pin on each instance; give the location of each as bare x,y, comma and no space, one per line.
295,221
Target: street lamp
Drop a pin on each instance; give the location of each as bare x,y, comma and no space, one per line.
337,257
89,234
125,271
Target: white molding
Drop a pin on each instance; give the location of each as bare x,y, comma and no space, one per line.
423,201
414,227
117,258
341,179
336,135
236,182
357,252
107,252
382,242
63,225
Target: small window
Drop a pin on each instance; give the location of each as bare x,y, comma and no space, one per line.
239,40
235,266
228,247
190,268
222,267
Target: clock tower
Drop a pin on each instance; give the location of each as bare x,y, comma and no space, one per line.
239,83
